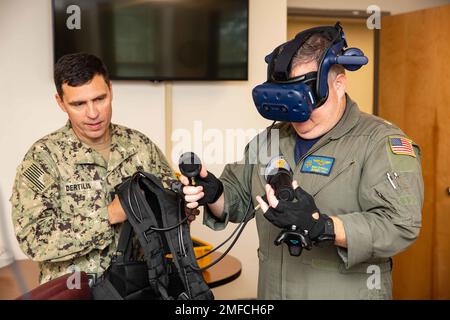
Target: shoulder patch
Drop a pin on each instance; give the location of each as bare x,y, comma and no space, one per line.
401,145
36,177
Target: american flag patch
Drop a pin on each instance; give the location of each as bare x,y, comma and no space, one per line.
35,176
401,145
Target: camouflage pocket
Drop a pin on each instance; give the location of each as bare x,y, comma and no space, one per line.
83,204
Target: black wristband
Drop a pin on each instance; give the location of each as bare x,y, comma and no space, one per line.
327,235
212,188
219,192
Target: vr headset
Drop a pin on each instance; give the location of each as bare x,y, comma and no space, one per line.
282,98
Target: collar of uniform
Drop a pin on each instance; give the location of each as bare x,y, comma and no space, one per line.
288,134
348,120
83,153
121,148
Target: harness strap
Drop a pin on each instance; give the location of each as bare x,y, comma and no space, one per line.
147,204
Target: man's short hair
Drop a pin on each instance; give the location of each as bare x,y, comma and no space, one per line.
313,50
77,69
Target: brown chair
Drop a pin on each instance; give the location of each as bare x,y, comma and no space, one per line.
57,289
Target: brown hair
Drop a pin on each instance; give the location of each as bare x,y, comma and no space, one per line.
77,69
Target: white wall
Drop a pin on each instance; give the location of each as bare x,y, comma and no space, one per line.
27,106
28,110
394,7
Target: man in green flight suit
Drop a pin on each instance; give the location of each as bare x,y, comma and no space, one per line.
360,184
62,207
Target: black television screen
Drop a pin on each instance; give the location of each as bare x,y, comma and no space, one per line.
157,39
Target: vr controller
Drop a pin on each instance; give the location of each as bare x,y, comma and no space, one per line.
295,239
278,174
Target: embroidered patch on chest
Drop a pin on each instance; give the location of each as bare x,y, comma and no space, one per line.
83,186
318,165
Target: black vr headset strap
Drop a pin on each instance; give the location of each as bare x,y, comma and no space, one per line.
305,78
336,35
283,60
286,52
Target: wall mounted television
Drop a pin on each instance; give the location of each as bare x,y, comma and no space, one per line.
157,40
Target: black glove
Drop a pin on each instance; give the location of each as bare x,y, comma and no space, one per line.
299,213
212,187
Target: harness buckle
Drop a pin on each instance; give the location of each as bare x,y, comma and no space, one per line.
94,279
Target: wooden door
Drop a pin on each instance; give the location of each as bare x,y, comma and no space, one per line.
414,93
441,280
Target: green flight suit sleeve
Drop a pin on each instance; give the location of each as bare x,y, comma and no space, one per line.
43,231
236,178
391,216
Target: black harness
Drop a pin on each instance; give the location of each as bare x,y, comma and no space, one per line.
156,215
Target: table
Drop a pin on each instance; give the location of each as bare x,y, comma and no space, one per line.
225,271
